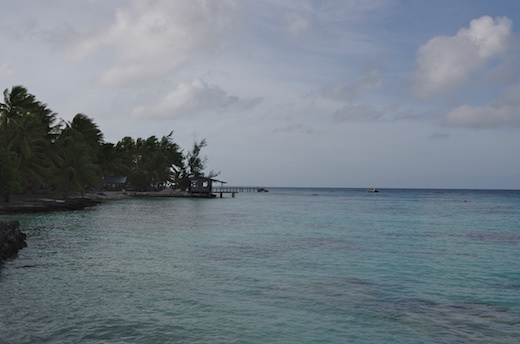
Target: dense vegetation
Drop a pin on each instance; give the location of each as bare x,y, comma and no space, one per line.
40,154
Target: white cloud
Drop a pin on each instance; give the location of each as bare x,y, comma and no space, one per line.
151,38
502,112
195,97
482,117
444,63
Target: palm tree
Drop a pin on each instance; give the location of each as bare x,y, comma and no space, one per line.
77,145
89,130
150,162
171,150
27,139
24,133
75,155
9,176
27,130
112,160
75,171
145,153
48,119
17,103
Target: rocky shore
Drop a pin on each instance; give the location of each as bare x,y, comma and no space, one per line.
38,204
45,205
11,240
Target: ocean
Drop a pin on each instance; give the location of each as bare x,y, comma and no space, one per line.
292,265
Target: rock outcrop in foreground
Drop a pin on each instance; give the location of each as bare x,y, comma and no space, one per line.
11,240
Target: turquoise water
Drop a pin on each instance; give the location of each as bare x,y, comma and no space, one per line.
288,266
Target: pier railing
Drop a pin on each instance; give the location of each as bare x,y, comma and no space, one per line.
235,189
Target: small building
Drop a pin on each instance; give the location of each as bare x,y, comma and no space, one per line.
114,183
202,186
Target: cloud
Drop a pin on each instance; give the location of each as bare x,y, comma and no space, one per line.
150,38
346,90
295,128
195,97
444,63
482,117
348,97
502,112
439,136
18,29
357,113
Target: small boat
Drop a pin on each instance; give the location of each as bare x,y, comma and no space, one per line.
262,190
373,190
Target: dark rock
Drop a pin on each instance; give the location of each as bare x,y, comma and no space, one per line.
11,240
48,205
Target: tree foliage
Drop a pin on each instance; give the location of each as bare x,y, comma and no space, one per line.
193,165
150,163
39,154
9,176
75,170
26,127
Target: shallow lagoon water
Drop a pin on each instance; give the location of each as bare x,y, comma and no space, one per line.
288,266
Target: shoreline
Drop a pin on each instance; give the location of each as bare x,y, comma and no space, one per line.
45,203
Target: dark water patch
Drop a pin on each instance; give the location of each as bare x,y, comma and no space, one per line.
512,286
497,237
276,248
457,322
342,294
497,209
344,290
25,266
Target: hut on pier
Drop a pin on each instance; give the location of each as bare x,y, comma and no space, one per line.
201,186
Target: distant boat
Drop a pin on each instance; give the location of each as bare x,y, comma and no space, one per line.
373,190
262,190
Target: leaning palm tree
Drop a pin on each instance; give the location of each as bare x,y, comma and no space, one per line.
27,139
142,174
24,134
75,171
171,150
17,102
9,176
26,128
89,131
47,119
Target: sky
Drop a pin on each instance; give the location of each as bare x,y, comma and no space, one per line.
297,93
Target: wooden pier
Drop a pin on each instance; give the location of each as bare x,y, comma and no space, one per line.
221,190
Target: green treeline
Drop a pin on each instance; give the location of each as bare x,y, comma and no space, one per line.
38,153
